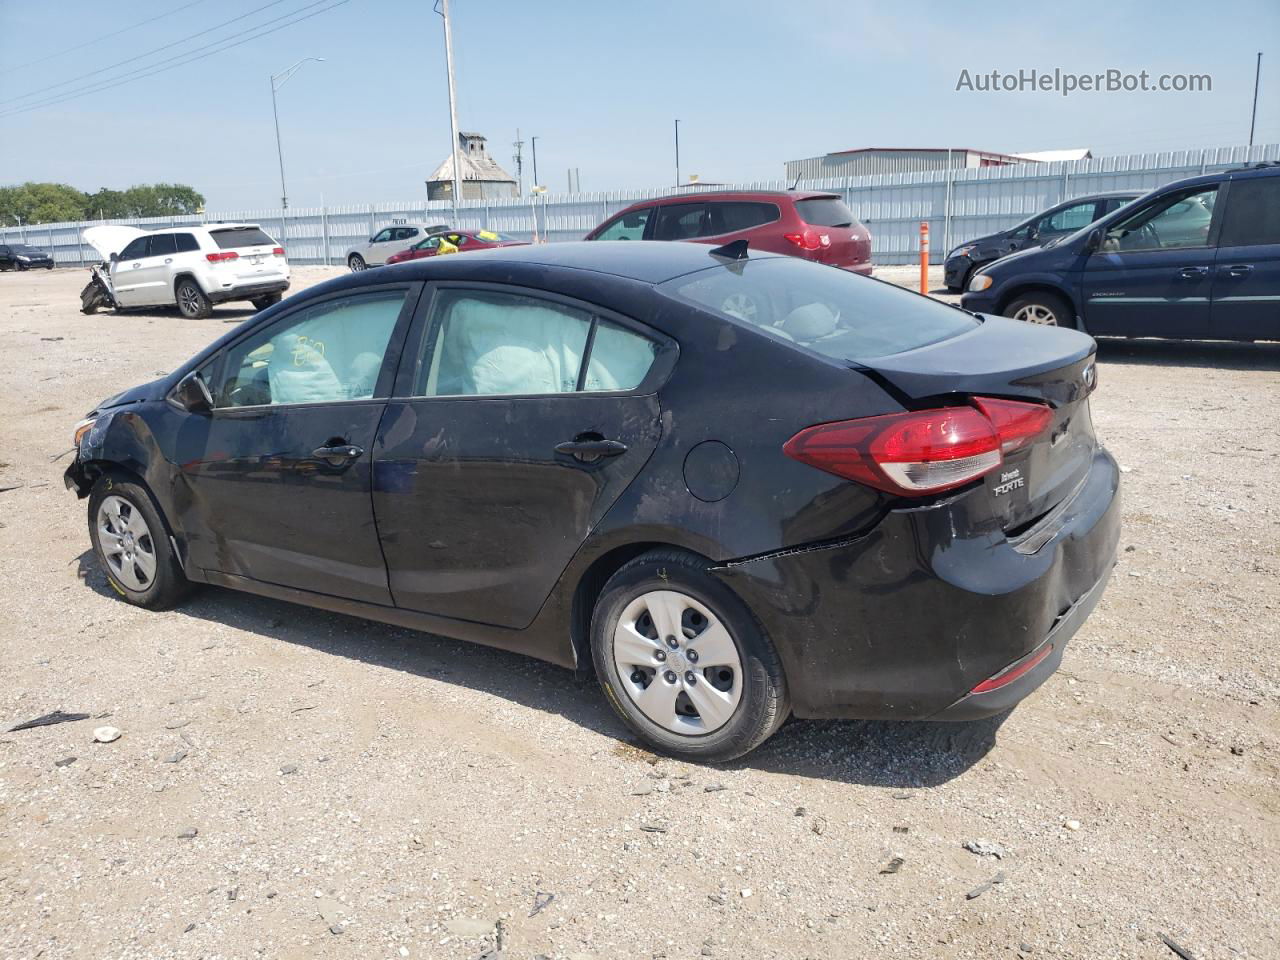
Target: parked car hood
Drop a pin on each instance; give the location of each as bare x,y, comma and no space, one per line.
110,239
155,390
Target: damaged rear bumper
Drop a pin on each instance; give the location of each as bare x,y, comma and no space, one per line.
905,621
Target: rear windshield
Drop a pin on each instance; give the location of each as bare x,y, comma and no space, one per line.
241,237
824,309
825,212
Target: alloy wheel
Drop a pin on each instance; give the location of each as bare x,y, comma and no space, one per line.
188,300
126,543
1037,313
677,662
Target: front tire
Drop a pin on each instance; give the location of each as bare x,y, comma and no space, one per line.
192,303
683,661
356,263
1045,309
132,544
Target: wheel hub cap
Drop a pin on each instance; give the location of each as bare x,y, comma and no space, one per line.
678,663
125,543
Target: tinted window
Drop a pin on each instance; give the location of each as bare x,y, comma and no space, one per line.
629,226
136,250
241,237
186,242
829,311
825,212
1253,213
740,215
1173,221
682,221
1068,218
484,344
162,245
322,354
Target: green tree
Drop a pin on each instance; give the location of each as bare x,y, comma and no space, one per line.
40,203
58,202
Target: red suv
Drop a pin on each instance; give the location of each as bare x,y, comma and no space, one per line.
815,226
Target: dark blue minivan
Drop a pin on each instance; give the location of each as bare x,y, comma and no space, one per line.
1195,259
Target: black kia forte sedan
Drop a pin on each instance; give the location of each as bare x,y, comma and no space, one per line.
736,486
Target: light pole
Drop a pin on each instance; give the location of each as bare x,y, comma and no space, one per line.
677,153
278,80
1257,76
442,8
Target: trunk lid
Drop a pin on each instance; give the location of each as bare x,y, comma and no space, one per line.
844,241
1012,360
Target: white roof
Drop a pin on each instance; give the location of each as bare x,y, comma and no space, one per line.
1056,156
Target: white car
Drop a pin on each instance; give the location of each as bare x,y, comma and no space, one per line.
388,240
192,267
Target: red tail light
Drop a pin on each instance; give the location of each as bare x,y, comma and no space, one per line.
921,452
220,257
809,240
1012,673
278,251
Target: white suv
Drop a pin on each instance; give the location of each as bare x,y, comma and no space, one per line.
389,240
193,267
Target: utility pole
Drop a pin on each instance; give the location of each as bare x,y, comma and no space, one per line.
519,158
1257,75
533,143
278,80
442,8
677,153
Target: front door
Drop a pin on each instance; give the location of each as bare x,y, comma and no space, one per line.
128,273
507,448
279,475
1246,283
1153,274
151,284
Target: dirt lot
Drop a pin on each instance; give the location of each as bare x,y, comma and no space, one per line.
361,791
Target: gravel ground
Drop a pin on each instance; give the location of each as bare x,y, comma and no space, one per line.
291,783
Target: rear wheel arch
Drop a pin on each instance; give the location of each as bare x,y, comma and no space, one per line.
187,275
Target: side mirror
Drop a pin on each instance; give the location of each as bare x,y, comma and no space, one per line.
1094,241
115,258
192,394
1033,233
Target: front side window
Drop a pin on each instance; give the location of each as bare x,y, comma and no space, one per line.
1252,217
1174,221
382,237
490,344
831,312
326,353
1068,219
629,226
136,250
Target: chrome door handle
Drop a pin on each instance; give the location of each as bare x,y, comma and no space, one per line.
339,454
1239,269
1193,273
168,259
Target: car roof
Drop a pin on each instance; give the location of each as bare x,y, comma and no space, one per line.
726,195
646,261
206,226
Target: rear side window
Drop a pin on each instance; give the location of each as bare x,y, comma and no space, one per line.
162,245
1253,213
733,216
186,242
241,237
821,308
682,221
825,212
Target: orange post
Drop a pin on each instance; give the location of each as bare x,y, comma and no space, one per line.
924,257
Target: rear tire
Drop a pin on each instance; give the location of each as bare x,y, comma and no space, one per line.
192,303
270,300
651,620
355,263
1046,309
131,541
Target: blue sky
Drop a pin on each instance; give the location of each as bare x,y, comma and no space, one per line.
753,83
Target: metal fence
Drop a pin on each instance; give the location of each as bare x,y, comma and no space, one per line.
958,204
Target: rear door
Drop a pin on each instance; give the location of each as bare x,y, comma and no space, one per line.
1154,273
682,221
1246,282
502,449
256,260
278,478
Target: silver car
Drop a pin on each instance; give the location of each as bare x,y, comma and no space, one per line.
385,242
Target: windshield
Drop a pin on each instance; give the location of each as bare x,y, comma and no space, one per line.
822,308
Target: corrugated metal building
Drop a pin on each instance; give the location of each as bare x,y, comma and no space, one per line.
871,160
481,176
